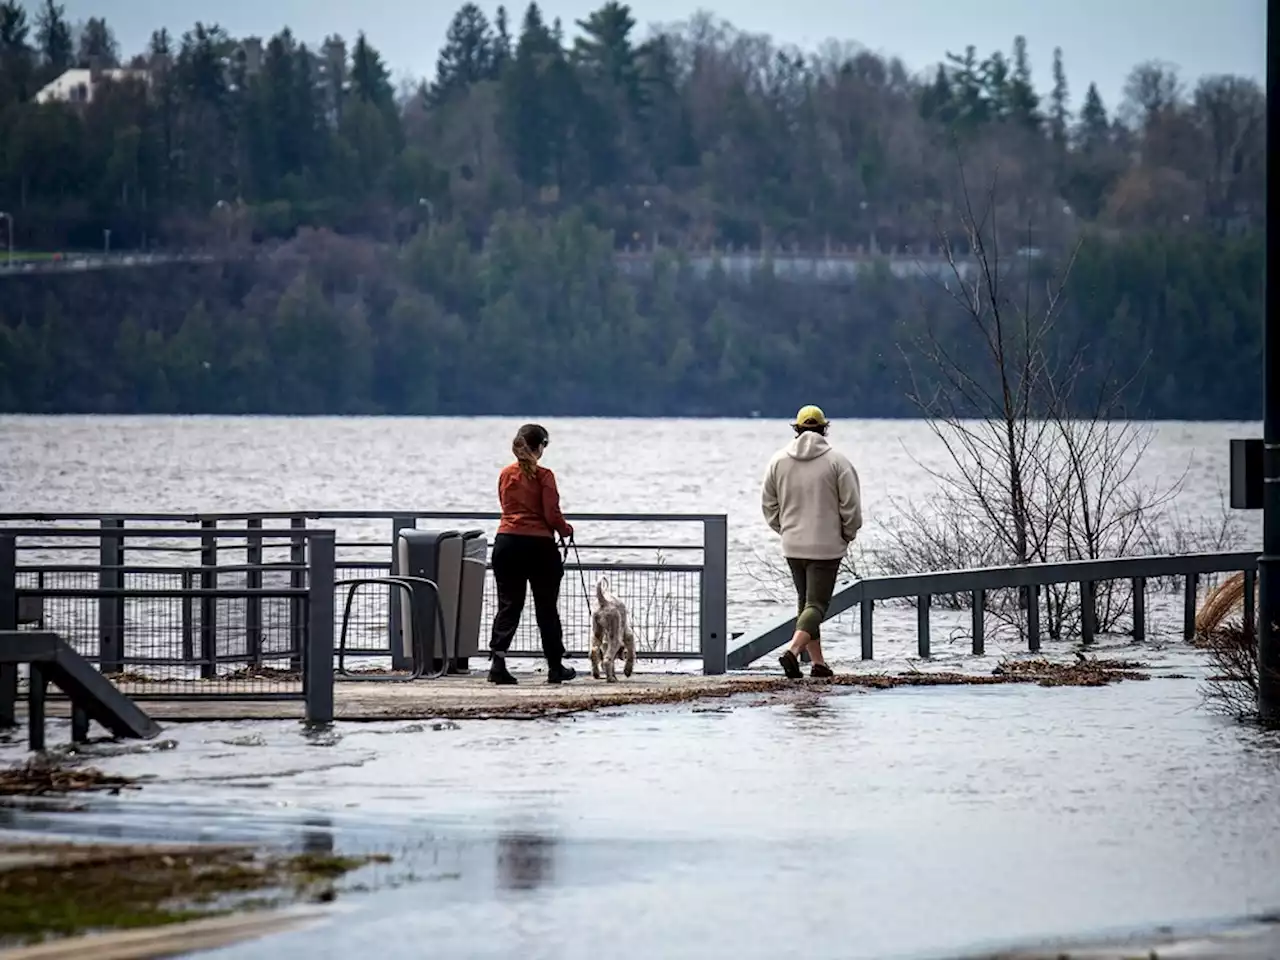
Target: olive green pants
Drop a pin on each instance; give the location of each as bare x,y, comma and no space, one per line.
815,581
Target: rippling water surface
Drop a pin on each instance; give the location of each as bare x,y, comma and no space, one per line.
889,824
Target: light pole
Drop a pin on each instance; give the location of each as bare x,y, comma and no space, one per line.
9,218
1269,562
431,214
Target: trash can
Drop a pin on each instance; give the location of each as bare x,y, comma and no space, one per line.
475,561
434,555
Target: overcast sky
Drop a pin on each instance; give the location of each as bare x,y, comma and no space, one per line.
1101,39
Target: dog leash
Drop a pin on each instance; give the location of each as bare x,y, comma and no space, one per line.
582,577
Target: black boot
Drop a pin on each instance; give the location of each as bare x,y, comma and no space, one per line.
499,674
559,673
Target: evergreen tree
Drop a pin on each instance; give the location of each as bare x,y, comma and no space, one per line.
469,54
969,83
501,41
98,43
1093,129
53,34
17,59
529,120
370,79
1059,111
1024,102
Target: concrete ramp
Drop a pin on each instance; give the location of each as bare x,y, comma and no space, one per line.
52,660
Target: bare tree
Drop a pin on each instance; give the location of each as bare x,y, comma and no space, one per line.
1041,464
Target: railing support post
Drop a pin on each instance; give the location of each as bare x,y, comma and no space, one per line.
111,608
1088,612
1191,583
1033,618
399,659
1139,609
8,621
922,625
318,652
867,612
713,613
297,581
209,605
979,621
253,604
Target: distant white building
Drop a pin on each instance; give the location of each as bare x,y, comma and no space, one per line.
78,85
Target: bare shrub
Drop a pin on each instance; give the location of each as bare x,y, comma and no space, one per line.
1042,466
1231,689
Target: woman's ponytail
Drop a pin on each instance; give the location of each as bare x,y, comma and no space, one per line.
524,456
528,444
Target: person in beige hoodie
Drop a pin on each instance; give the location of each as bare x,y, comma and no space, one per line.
812,498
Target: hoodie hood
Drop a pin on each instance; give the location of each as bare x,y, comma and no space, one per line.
808,446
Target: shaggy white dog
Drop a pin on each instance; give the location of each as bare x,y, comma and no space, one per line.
611,634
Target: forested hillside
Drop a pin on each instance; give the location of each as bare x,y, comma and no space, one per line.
450,245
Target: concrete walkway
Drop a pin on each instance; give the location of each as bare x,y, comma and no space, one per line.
471,696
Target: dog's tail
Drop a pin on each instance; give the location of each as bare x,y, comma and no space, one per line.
603,595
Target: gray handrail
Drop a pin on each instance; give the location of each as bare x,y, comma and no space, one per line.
867,591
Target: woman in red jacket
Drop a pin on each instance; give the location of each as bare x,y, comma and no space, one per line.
525,553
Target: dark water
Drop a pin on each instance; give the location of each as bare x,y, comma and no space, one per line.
892,824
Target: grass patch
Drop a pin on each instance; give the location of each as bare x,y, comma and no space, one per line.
65,890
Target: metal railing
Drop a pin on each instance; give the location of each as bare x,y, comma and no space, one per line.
674,587
1028,579
156,634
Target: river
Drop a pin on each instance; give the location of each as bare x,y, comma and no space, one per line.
905,823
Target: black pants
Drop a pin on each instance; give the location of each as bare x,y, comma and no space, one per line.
533,561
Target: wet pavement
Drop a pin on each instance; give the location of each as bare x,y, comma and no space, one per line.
905,823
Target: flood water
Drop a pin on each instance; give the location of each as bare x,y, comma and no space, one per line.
904,823
910,823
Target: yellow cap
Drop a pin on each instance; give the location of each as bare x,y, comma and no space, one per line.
811,416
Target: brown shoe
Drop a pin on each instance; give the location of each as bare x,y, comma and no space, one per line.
791,666
820,671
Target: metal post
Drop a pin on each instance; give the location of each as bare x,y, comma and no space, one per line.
1269,562
399,659
1033,618
1139,608
209,605
713,613
111,608
37,687
8,621
188,621
922,625
1189,607
979,622
867,610
297,581
253,605
318,653
1088,612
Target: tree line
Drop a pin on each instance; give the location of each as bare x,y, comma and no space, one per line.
696,133
449,245
545,321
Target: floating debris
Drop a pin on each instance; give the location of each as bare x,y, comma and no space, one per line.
41,776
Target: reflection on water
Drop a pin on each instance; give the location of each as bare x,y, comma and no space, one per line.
318,837
526,861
